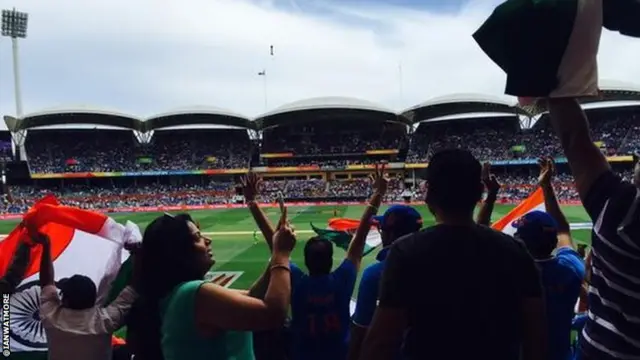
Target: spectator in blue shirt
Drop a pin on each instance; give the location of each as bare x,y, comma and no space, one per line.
320,300
397,221
561,273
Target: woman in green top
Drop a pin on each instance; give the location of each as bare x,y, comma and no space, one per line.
201,320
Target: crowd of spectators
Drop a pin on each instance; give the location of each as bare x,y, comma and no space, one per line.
58,151
332,138
503,139
335,145
515,187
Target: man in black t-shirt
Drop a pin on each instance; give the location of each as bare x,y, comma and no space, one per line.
458,290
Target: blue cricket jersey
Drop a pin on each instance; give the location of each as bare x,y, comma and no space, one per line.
562,278
320,312
368,291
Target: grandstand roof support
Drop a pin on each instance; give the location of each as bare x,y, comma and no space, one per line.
14,25
254,134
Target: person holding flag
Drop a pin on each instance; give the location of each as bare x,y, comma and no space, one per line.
397,221
613,204
77,326
562,272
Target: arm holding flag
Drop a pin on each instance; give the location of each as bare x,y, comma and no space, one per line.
49,299
356,247
493,186
587,162
17,268
113,315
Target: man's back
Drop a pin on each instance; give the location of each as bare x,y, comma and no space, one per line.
561,278
320,312
81,334
612,329
455,280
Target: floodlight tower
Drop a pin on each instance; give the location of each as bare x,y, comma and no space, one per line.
14,25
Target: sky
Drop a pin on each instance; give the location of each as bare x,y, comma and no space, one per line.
146,57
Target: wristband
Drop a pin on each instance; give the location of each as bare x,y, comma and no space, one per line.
279,266
373,207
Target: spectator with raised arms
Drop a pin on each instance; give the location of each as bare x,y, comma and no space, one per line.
547,236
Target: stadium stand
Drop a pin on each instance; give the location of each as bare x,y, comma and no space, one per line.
311,150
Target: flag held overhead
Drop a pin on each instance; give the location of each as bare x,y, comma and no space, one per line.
82,242
547,48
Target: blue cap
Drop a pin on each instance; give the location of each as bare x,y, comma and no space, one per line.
401,219
536,226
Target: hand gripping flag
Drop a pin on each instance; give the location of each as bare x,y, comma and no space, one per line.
548,48
82,242
340,231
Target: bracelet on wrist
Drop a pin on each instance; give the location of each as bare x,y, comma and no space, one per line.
279,266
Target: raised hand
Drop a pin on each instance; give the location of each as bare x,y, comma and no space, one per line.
380,179
489,180
251,184
284,240
35,235
547,171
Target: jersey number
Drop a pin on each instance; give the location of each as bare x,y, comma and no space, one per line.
324,324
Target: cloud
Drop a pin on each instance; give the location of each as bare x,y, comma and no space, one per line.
149,56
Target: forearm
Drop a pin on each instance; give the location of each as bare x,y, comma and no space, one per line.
46,266
259,288
278,291
16,270
486,210
553,208
355,341
356,247
572,127
265,226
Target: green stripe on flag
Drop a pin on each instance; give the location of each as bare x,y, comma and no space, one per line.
342,239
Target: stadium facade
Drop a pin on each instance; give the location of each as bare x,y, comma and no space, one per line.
338,112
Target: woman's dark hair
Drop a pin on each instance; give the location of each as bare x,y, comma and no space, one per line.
167,248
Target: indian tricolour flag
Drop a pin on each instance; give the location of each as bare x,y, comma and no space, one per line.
549,48
535,202
82,242
340,231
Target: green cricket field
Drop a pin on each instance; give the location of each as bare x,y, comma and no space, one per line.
236,250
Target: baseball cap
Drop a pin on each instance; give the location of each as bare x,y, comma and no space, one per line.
400,218
536,226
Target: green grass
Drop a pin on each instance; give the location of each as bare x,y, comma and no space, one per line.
239,252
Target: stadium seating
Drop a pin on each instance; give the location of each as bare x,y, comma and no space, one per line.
323,146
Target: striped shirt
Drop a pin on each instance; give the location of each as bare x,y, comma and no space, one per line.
612,330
